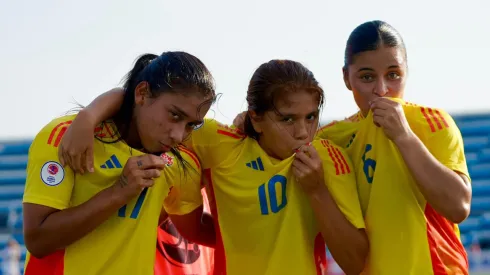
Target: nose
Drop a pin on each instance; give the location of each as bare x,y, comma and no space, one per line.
381,89
177,134
301,130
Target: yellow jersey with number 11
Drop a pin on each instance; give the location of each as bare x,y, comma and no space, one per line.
124,243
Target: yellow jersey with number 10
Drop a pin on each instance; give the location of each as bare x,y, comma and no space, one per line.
264,220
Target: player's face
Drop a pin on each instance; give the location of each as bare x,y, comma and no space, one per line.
379,73
165,121
292,124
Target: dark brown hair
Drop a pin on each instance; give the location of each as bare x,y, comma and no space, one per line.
273,80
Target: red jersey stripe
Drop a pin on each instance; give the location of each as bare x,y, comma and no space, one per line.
191,154
233,135
446,251
422,109
329,149
344,162
49,265
60,135
55,130
320,254
337,157
431,113
442,118
219,252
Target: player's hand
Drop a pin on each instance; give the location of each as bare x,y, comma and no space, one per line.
138,173
308,169
389,115
239,121
76,147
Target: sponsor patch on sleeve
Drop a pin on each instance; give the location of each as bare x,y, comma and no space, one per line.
52,173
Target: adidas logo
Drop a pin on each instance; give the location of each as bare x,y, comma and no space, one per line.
255,164
111,163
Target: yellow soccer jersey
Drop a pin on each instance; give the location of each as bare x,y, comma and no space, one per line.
264,222
125,243
406,235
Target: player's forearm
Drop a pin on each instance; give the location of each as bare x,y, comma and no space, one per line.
444,189
349,246
104,106
62,228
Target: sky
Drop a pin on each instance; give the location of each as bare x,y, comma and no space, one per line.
56,53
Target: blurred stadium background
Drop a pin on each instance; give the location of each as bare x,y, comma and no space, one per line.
475,231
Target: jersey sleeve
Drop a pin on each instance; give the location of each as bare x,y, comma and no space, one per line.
185,191
341,181
48,183
210,142
442,137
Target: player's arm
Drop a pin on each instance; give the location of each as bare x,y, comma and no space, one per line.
76,148
50,223
335,203
438,164
446,188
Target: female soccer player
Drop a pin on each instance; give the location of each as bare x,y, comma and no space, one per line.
105,222
413,200
276,195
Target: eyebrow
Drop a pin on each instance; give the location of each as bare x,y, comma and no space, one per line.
184,114
295,115
369,69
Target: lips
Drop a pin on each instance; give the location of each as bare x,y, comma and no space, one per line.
165,148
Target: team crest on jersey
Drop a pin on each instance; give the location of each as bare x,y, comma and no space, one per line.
52,173
169,160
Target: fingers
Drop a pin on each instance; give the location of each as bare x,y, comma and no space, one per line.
301,167
150,173
305,159
76,162
89,159
61,157
149,162
147,183
312,152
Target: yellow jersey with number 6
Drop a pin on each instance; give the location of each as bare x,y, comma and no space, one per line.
407,236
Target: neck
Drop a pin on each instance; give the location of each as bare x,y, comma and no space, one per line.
267,150
129,134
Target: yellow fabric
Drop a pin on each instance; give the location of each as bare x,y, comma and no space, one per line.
125,243
396,213
266,222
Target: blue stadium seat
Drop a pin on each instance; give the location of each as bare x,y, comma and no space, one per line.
15,148
13,162
481,188
480,204
473,144
12,177
471,158
480,171
19,237
484,155
485,221
475,127
470,224
11,192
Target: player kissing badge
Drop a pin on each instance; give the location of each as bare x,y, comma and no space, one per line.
169,160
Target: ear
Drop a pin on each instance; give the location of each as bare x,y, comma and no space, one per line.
345,73
141,93
256,121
